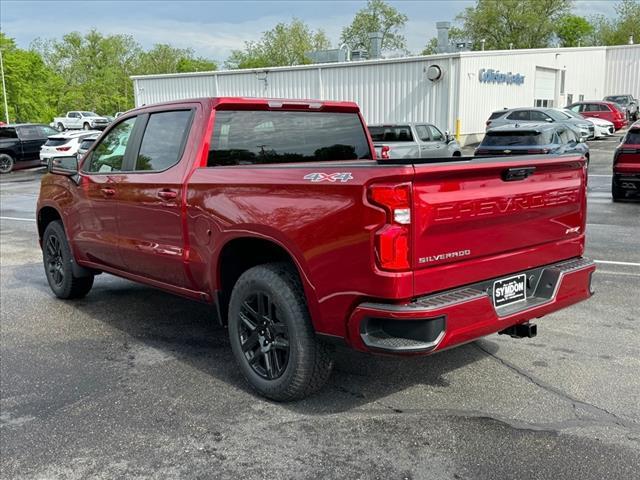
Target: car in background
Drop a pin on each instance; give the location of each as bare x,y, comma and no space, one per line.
514,116
20,145
86,143
627,102
412,140
600,109
602,127
531,139
63,144
626,166
78,119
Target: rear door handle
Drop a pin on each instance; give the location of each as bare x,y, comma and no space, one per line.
167,194
515,174
108,192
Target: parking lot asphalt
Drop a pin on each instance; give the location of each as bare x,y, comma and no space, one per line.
132,382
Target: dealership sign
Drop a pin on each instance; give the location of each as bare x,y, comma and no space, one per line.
496,76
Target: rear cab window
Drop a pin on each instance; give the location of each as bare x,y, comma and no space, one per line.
248,137
391,133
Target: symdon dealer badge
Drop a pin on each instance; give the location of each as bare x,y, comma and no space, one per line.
509,290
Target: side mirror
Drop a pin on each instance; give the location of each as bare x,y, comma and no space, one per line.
67,166
582,140
448,137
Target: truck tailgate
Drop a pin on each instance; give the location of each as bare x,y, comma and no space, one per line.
486,218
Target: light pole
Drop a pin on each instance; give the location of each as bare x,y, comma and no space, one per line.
4,89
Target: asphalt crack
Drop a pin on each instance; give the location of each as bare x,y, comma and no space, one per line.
599,412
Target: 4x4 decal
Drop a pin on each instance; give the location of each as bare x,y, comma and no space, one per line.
329,177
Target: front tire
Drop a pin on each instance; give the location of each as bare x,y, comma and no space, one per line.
60,127
57,259
86,126
6,163
272,337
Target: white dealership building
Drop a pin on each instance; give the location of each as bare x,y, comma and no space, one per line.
456,91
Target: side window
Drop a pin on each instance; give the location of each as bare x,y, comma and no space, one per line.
539,116
605,108
73,115
423,133
519,115
29,133
109,154
575,108
436,135
47,131
8,133
163,140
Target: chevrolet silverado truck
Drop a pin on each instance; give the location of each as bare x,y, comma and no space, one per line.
76,120
278,213
626,166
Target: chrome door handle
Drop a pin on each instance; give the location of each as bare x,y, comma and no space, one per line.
167,194
108,192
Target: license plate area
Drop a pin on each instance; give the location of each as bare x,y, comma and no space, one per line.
507,291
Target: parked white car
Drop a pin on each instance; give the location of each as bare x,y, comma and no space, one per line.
602,127
78,119
63,144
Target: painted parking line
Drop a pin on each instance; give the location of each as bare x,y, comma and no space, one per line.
624,274
611,262
18,219
599,175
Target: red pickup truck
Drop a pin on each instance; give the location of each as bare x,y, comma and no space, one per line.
278,213
626,166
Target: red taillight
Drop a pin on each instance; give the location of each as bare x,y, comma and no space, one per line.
392,240
384,152
63,149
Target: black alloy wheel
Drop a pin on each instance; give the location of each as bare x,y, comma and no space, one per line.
263,336
54,261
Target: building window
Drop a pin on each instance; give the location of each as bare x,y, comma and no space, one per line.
569,98
580,98
562,74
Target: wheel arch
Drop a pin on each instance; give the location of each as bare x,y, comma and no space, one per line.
239,254
46,215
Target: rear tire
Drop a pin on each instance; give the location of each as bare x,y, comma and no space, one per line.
6,163
57,259
272,337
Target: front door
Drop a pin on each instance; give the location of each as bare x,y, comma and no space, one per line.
97,234
150,200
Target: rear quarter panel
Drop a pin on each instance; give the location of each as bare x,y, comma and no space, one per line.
326,227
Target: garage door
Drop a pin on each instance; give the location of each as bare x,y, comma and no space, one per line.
545,87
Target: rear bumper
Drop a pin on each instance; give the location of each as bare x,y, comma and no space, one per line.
627,179
446,319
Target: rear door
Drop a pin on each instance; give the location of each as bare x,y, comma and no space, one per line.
31,138
150,198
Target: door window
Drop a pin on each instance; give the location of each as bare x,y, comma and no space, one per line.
540,116
47,131
109,154
436,135
519,115
423,133
29,132
163,140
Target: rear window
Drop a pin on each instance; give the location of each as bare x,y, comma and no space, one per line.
391,133
622,100
503,139
86,144
8,133
495,115
632,138
56,142
263,137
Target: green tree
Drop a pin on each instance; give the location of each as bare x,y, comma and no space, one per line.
283,45
30,84
163,58
574,31
618,30
377,16
517,23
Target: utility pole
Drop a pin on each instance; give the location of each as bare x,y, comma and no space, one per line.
4,89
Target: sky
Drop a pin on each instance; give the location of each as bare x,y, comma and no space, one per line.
214,28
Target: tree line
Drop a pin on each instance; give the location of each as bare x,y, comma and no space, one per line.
92,71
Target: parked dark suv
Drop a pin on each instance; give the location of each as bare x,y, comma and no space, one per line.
531,139
20,145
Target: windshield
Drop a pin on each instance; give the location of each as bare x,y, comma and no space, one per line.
89,114
621,99
557,114
633,138
391,133
506,139
573,114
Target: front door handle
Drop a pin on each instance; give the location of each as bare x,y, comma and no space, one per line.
167,194
108,192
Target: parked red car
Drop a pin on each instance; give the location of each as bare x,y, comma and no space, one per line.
626,166
600,109
278,213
